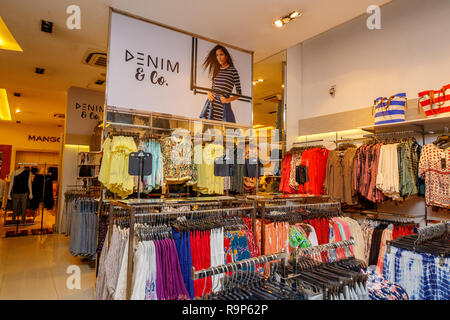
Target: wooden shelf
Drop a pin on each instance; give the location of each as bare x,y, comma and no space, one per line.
425,124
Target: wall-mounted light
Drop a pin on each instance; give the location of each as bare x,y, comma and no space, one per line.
287,18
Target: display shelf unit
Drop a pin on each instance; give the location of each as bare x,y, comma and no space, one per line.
92,160
426,126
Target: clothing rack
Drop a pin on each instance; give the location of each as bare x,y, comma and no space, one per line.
326,247
130,211
319,249
431,232
427,240
306,142
366,212
290,207
233,266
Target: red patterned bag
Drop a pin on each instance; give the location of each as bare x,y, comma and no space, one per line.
435,103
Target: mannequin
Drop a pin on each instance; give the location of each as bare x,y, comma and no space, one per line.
19,190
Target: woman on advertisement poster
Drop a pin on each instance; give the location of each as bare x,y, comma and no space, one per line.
224,78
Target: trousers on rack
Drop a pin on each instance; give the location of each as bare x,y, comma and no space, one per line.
19,201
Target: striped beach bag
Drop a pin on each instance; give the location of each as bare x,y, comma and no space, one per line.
390,110
435,103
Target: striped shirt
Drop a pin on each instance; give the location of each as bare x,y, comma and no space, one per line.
225,80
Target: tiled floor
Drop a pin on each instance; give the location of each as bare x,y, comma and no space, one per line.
34,267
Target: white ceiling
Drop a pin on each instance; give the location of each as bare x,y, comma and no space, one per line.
246,24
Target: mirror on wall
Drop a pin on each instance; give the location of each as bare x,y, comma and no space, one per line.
268,106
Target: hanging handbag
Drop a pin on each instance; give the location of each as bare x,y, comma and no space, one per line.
390,110
435,103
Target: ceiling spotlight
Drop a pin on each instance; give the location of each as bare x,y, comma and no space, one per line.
287,18
278,23
260,80
17,110
293,15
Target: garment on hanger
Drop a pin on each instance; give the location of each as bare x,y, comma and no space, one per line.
315,159
339,175
114,168
83,234
207,182
37,187
53,171
155,180
49,200
434,168
381,289
424,276
388,173
177,154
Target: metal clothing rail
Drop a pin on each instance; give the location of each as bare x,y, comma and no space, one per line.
265,208
131,212
325,247
432,231
233,266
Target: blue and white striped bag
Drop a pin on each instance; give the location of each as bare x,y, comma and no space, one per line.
390,110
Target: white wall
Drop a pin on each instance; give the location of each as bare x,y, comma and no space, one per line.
409,54
294,110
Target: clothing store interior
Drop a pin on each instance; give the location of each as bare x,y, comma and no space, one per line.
314,163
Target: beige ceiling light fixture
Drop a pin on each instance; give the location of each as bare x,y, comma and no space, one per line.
7,41
287,18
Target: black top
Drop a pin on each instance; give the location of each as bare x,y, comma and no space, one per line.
21,182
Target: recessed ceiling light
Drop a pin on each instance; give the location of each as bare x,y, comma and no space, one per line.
17,110
260,80
7,41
